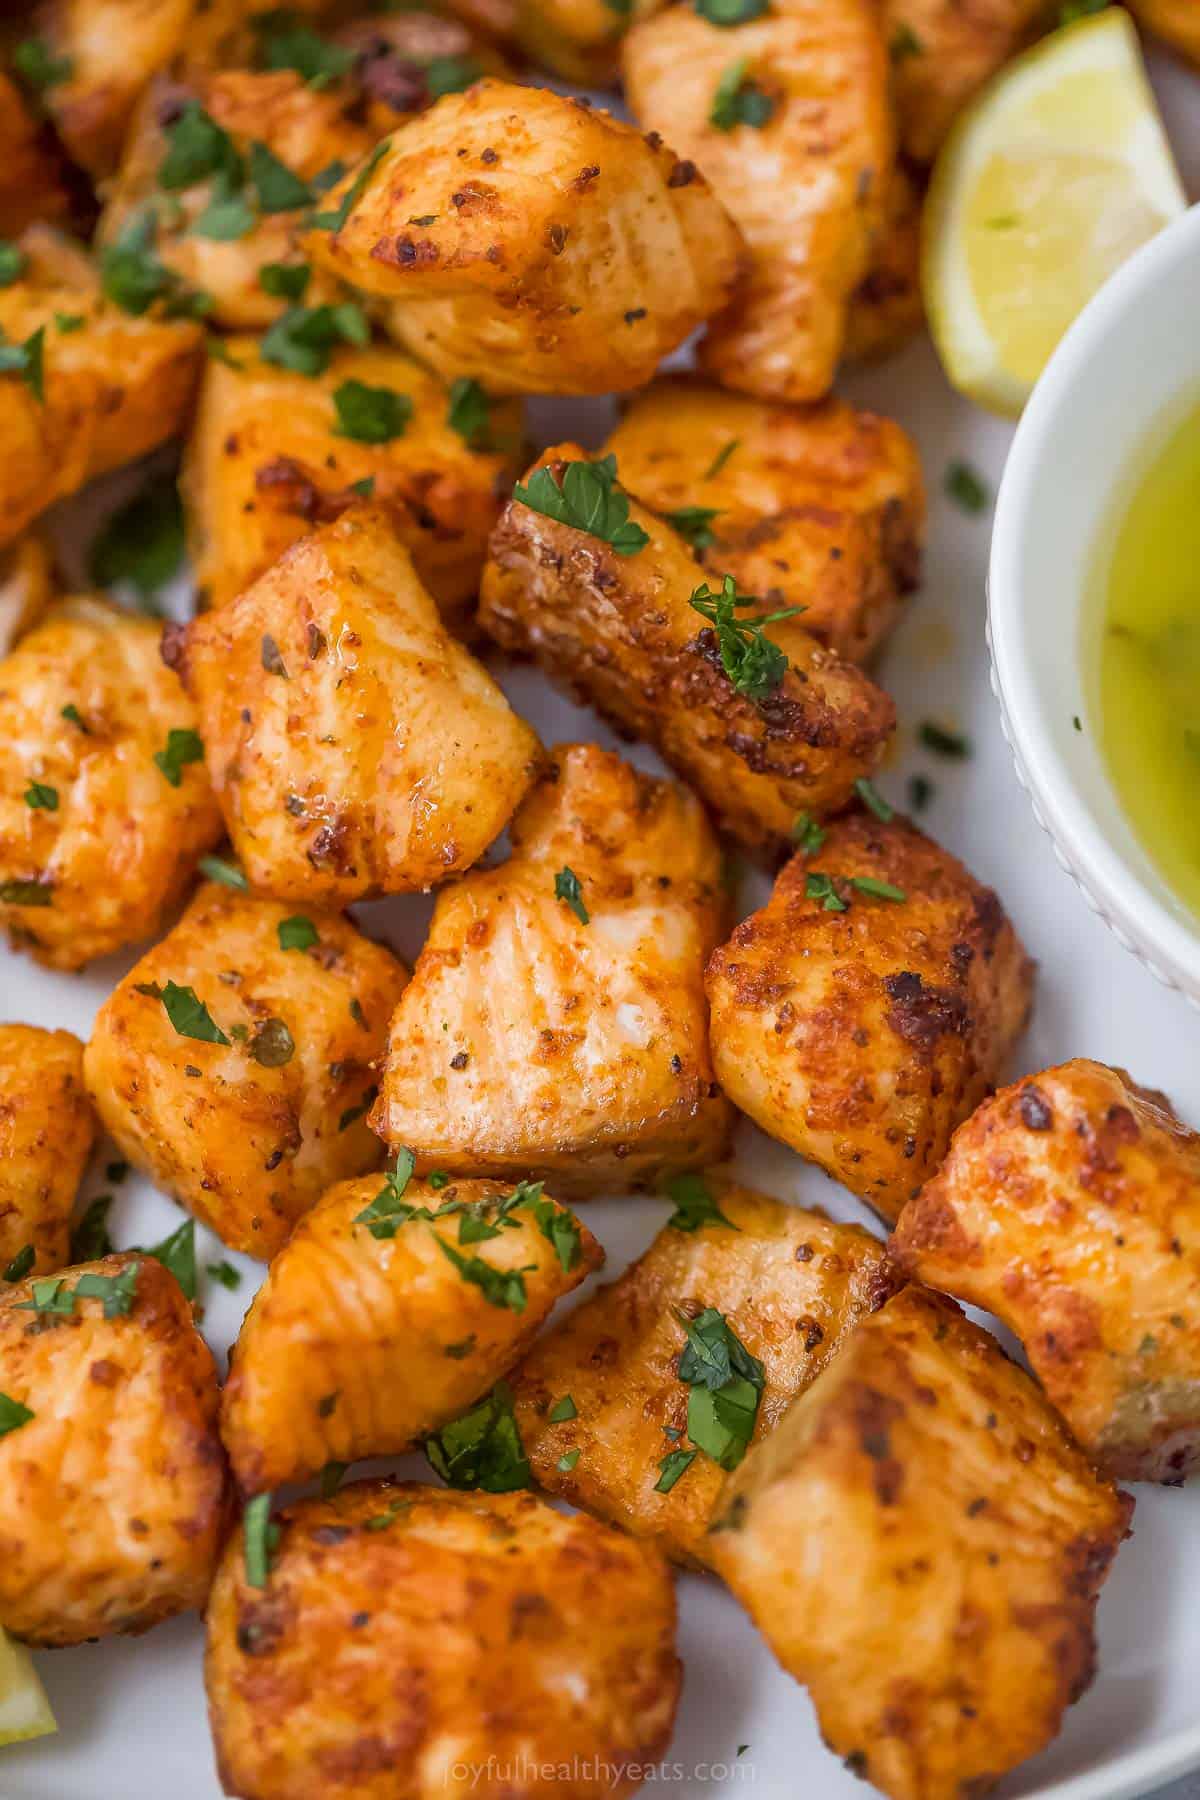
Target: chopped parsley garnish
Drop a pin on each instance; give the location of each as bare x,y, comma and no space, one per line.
197,149
739,101
873,800
353,1113
90,1240
752,662
557,1224
389,1210
807,834
177,1252
303,338
904,43
13,1415
563,1409
568,889
451,74
726,1384
499,1287
41,797
228,215
286,43
829,889
694,1204
12,262
720,459
483,1449
365,488
469,412
54,1298
133,276
68,322
26,893
381,1521
225,1273
142,542
588,500
920,792
333,221
272,1045
438,1179
1071,10
188,1014
182,747
330,1479
370,415
217,869
694,525
37,64
26,361
966,487
671,1467
730,12
278,188
284,281
878,890
73,716
260,1539
567,1462
21,1264
296,933
218,350
942,742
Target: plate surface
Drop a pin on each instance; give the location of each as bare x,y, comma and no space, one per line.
131,1712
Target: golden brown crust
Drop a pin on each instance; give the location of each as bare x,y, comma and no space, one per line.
579,39
821,506
863,1037
357,1346
886,309
791,1283
533,243
47,1129
114,387
1177,21
1069,1206
266,464
113,1497
922,1545
111,848
27,586
807,188
248,1134
618,631
474,1642
355,747
33,179
942,53
532,1044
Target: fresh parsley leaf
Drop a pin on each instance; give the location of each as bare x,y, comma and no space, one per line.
819,886
260,1539
41,797
739,100
469,412
37,65
187,1013
297,933
364,488
693,523
304,337
12,262
483,1448
334,220
286,43
726,1384
51,1298
218,350
438,1178
90,1240
694,1205
197,149
69,322
942,742
331,1479
1071,10
588,500
567,1462
829,889
807,834
142,542
720,459
26,360
225,1273
116,1291
499,1287
382,1520
388,1211
754,664
671,1467
353,1113
451,74
228,215
966,487
878,890
21,1264
177,1252
563,1409
730,12
217,869
13,1415
284,281
72,714
278,188
182,747
370,415
873,800
26,893
132,276
558,1225
568,889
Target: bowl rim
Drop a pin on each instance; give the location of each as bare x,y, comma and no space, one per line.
1116,888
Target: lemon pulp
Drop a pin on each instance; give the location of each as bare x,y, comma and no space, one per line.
24,1709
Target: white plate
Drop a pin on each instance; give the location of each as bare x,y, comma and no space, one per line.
131,1713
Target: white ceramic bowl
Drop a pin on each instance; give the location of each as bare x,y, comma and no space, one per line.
1123,375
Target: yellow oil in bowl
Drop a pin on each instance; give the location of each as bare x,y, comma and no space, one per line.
1149,666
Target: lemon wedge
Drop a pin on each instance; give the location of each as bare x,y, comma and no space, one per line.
24,1708
1049,180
